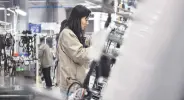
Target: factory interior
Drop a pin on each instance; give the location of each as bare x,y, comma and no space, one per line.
91,50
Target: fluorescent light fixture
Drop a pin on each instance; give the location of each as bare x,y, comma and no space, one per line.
8,14
90,7
10,10
84,4
21,12
2,8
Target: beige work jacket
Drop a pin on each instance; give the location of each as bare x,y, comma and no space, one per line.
73,59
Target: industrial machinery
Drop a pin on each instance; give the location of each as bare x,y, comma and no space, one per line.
100,68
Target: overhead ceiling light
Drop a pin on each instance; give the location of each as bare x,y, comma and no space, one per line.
8,14
2,8
91,7
21,12
10,10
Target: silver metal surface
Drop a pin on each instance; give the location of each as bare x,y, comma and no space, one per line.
120,32
120,23
125,15
115,39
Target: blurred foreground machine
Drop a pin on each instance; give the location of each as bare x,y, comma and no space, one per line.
16,93
151,67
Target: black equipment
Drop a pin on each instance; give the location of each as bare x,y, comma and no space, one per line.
28,43
101,69
7,50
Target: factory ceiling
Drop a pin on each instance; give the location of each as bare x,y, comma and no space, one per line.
94,5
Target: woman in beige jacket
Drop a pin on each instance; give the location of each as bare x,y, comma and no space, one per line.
73,56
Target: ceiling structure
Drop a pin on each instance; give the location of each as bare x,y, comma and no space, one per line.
3,2
95,5
59,2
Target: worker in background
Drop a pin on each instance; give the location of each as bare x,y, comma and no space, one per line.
46,60
73,56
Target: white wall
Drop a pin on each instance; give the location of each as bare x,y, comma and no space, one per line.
61,14
37,15
40,15
99,20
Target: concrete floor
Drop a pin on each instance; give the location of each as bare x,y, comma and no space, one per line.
41,92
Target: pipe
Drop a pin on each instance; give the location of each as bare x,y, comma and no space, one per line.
50,7
27,10
14,19
4,1
6,23
16,96
5,17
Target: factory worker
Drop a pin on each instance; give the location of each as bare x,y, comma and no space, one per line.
73,56
46,60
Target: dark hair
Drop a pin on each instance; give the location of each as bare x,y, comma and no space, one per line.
74,21
42,39
49,41
63,25
57,37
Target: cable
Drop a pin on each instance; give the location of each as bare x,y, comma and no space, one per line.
56,64
108,21
70,87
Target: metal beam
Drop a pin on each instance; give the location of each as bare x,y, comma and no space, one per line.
4,1
4,23
16,96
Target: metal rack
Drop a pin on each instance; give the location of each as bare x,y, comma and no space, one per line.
35,59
